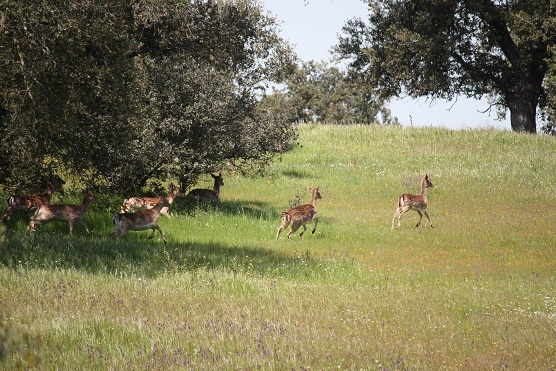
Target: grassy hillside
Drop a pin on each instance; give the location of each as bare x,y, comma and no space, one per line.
478,291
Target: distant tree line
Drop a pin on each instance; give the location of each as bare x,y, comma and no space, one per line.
319,92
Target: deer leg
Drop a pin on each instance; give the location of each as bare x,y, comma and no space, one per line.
71,226
420,217
401,210
119,233
427,215
394,218
295,227
161,234
280,229
304,230
83,224
284,225
315,227
286,221
33,223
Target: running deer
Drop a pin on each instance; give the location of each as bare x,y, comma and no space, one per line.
26,203
418,203
207,195
67,213
301,215
138,203
140,220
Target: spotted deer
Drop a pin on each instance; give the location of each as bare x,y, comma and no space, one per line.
26,203
67,213
207,195
301,215
418,203
140,220
138,203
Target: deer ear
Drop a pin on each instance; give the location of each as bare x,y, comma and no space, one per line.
310,188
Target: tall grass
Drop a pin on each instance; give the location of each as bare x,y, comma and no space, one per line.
475,292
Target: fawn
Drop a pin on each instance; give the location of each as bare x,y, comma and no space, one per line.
140,220
137,203
68,213
301,215
30,202
207,195
418,203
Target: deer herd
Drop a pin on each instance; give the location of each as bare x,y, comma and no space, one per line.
142,213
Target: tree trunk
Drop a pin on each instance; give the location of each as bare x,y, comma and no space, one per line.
523,104
523,116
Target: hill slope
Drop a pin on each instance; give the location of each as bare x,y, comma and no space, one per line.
475,292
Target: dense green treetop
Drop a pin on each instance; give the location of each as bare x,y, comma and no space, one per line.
120,92
442,48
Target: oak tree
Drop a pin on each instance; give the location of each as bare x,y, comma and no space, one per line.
444,48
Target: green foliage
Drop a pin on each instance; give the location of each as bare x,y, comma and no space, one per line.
117,93
550,86
475,292
444,48
317,92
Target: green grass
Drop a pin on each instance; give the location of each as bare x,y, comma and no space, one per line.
475,292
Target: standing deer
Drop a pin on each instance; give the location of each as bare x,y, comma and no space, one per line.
66,213
207,195
138,203
139,221
418,203
26,203
301,215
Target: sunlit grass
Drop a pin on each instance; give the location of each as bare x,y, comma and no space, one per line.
475,292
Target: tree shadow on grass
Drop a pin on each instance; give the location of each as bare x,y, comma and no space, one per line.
250,208
296,174
148,258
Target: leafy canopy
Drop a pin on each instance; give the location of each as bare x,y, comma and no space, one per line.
120,92
443,48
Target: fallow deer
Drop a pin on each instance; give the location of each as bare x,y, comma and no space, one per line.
418,203
207,195
139,221
138,203
301,215
26,203
67,213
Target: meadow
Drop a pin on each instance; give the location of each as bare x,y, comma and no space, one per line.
476,292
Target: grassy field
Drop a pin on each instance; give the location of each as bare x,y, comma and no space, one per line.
477,292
